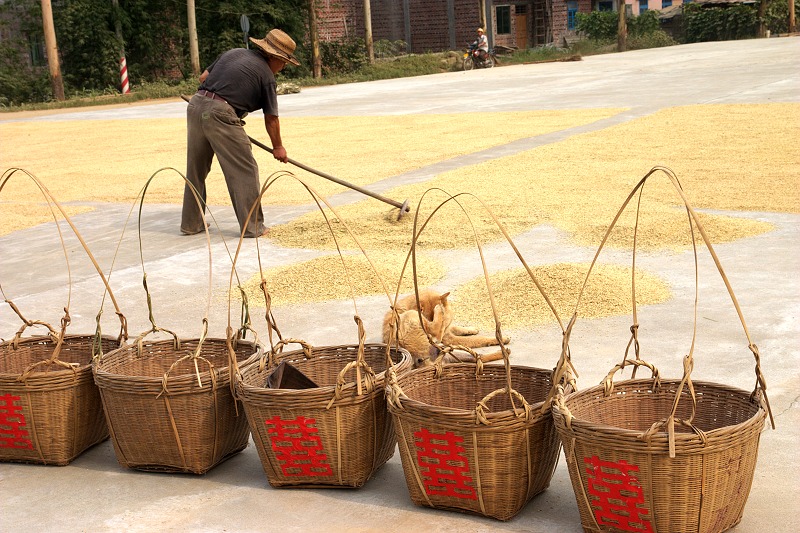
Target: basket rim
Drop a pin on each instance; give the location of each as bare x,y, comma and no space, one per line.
104,374
327,390
759,415
412,407
56,373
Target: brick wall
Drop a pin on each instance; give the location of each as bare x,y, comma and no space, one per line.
429,21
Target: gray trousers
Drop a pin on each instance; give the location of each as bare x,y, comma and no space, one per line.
213,128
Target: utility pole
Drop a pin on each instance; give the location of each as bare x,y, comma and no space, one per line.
194,53
52,50
482,9
792,24
124,86
622,28
368,31
762,10
316,60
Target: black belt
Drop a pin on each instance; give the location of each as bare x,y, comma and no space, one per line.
215,96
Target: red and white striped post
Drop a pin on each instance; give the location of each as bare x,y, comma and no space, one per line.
123,76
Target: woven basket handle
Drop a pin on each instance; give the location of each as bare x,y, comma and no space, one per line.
419,227
154,328
58,337
482,409
319,200
760,385
608,381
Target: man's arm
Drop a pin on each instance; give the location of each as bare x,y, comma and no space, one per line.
273,126
203,76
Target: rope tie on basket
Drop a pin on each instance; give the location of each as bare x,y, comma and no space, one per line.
393,390
634,340
564,372
761,382
28,323
359,364
559,401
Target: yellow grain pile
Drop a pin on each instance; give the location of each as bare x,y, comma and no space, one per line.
519,303
326,278
109,160
729,157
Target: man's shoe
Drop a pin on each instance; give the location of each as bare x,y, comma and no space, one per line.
183,231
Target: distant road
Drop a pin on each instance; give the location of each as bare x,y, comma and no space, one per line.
749,71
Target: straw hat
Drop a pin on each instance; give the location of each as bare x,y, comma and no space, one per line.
277,44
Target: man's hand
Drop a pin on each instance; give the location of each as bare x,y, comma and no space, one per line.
279,153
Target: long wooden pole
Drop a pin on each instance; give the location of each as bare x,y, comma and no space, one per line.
368,31
622,28
52,50
316,60
792,24
194,51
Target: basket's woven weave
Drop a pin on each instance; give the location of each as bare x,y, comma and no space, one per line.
49,414
661,456
487,460
160,418
704,488
311,437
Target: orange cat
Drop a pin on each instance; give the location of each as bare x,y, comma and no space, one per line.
437,317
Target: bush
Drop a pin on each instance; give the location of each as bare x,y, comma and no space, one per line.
718,24
598,25
644,24
655,39
341,57
18,82
777,16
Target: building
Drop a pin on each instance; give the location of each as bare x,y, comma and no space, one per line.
437,25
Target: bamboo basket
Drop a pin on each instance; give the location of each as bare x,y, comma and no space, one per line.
475,438
656,455
50,408
335,435
346,433
169,402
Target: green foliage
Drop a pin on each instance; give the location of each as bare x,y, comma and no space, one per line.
341,57
18,82
598,25
777,16
718,24
88,46
645,24
655,39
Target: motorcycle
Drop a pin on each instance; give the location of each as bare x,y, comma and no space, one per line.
475,58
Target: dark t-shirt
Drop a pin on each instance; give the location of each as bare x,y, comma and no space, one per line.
243,78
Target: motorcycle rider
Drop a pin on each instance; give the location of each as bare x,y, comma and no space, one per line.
482,44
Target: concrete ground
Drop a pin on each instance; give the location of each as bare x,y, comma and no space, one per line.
95,494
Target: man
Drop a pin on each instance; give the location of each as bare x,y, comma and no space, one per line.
482,43
238,82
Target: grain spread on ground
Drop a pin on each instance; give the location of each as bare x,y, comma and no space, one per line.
576,185
109,160
326,278
579,183
519,303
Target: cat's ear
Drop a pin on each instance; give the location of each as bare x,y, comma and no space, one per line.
444,296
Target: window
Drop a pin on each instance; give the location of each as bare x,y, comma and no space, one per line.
666,3
572,10
605,6
521,9
642,6
503,16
